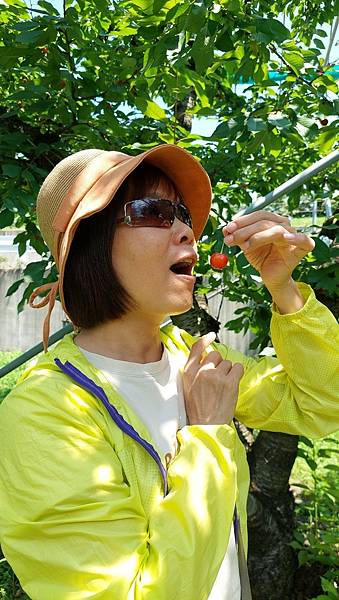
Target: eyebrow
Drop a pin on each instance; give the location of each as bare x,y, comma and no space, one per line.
158,196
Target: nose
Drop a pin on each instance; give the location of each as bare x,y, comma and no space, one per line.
182,233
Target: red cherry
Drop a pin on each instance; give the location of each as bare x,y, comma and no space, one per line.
218,260
44,50
324,121
62,84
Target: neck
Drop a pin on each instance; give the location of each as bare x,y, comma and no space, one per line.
128,338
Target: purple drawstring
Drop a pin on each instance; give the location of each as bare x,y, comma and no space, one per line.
99,393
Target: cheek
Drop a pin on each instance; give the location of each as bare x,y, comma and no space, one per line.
135,251
124,255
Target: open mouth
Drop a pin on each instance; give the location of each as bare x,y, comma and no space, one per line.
183,268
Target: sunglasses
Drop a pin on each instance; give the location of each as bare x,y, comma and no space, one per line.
154,212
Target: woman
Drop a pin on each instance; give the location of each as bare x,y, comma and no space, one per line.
122,473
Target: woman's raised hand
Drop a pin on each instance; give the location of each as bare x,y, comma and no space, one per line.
270,244
210,385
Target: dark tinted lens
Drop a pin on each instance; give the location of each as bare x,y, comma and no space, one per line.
182,213
150,213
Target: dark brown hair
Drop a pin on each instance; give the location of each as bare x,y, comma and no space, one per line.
92,291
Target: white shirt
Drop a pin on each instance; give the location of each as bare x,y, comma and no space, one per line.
154,392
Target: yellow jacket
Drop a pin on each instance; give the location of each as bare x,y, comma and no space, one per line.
83,511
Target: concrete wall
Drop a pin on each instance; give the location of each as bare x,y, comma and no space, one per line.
21,331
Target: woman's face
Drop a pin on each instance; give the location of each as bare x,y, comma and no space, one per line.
142,259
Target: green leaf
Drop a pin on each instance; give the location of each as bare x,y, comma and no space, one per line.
321,33
158,5
272,143
143,4
19,3
326,140
196,19
272,28
321,251
13,288
124,31
222,131
319,43
328,586
232,5
280,122
176,11
202,51
294,137
10,54
31,36
35,270
227,128
11,170
25,25
295,61
255,124
6,218
150,108
306,121
224,41
255,142
329,108
48,7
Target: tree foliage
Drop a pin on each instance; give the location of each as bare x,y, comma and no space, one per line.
113,74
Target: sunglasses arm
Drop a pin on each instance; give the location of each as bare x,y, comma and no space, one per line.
126,220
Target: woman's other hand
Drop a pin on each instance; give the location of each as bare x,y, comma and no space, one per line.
272,246
210,385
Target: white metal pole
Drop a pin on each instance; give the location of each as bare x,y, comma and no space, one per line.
291,184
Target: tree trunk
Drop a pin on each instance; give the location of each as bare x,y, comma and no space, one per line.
272,562
183,117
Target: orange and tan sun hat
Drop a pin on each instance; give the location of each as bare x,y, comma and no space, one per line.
85,182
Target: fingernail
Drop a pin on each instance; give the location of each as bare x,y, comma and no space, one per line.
231,226
210,336
289,236
229,239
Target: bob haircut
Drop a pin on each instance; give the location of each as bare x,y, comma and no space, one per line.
92,291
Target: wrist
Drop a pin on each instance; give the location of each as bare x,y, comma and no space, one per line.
287,298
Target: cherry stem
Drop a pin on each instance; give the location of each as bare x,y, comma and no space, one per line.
222,247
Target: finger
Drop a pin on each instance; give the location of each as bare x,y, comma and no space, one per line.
303,241
241,235
197,350
234,376
276,235
238,370
225,366
259,215
212,358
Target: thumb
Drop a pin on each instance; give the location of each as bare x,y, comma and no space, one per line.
199,346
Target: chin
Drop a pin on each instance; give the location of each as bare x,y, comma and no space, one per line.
181,307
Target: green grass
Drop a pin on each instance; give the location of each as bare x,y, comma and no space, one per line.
306,221
8,381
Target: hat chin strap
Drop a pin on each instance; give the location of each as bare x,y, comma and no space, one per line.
50,300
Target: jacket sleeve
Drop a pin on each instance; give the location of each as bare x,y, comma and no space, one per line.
72,523
297,392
